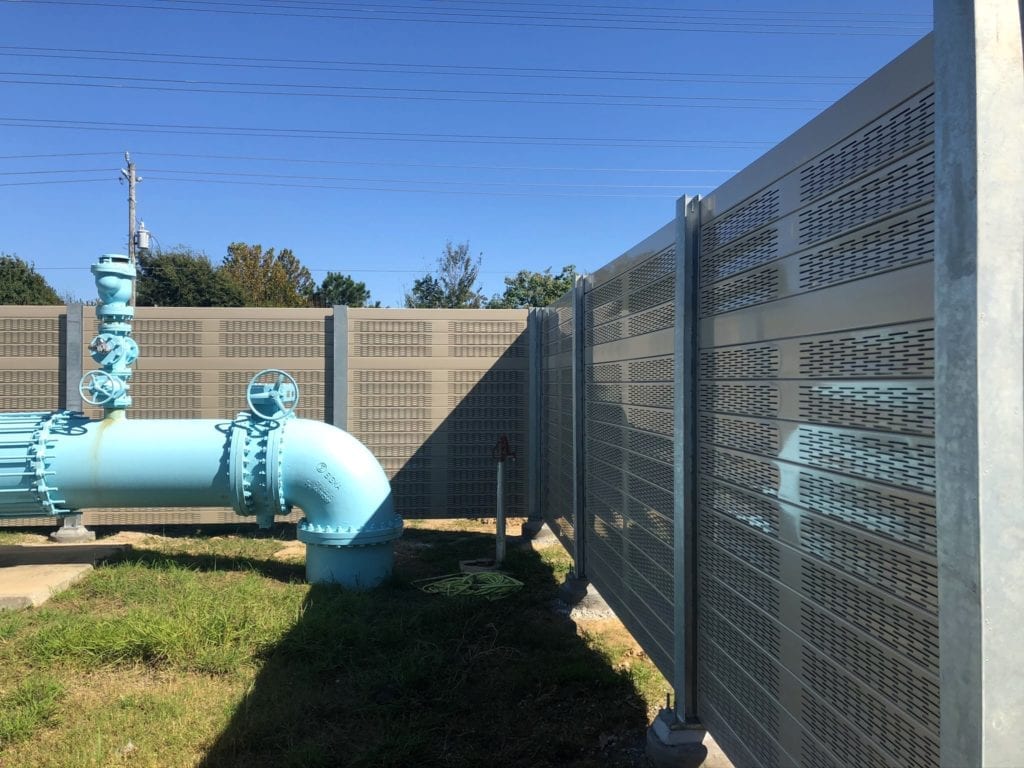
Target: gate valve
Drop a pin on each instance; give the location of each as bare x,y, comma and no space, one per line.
101,388
272,394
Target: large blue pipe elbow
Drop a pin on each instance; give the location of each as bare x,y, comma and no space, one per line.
350,521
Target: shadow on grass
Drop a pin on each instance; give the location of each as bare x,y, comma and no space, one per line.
396,677
278,570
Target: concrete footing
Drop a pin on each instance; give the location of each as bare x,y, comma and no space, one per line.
72,531
582,600
537,535
672,744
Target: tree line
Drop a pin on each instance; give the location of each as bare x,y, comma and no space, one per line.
251,276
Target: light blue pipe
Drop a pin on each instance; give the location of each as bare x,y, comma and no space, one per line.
53,464
262,464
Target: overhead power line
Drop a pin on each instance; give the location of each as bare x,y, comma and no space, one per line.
680,8
66,170
381,164
456,182
433,190
443,182
448,70
641,24
416,137
118,82
58,154
55,181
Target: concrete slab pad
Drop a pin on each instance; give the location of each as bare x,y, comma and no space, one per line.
29,586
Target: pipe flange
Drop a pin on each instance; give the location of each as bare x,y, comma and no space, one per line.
255,469
42,441
350,536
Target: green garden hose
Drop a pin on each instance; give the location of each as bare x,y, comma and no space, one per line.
491,585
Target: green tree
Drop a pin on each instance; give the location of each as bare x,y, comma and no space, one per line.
183,277
268,279
534,289
337,288
21,284
452,286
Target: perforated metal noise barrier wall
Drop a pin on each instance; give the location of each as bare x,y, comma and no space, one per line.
32,353
817,587
557,425
629,322
430,392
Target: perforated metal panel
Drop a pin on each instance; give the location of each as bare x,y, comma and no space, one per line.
557,419
430,392
31,349
817,591
628,393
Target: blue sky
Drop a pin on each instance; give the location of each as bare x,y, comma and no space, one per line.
363,135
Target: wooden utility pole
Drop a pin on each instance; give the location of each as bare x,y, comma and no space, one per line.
129,174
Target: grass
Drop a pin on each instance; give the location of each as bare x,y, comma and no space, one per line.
213,652
30,705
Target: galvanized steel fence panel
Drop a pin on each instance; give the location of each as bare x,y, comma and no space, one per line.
31,355
629,317
429,392
817,591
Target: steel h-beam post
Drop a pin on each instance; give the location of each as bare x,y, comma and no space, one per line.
684,511
534,329
676,737
979,378
72,358
72,529
339,358
579,358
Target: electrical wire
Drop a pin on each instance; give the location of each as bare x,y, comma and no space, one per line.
326,65
457,182
706,26
412,191
410,94
420,137
367,163
55,181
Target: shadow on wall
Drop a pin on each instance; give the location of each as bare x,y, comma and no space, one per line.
397,677
451,470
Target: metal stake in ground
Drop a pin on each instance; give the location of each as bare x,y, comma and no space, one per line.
501,452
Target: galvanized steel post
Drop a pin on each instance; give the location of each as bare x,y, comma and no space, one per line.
979,378
534,408
684,513
339,366
579,451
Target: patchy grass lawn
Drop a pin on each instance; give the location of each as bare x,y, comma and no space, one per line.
212,652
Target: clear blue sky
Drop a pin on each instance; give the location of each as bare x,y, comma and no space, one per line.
363,135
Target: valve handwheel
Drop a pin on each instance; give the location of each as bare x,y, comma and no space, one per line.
272,394
100,388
